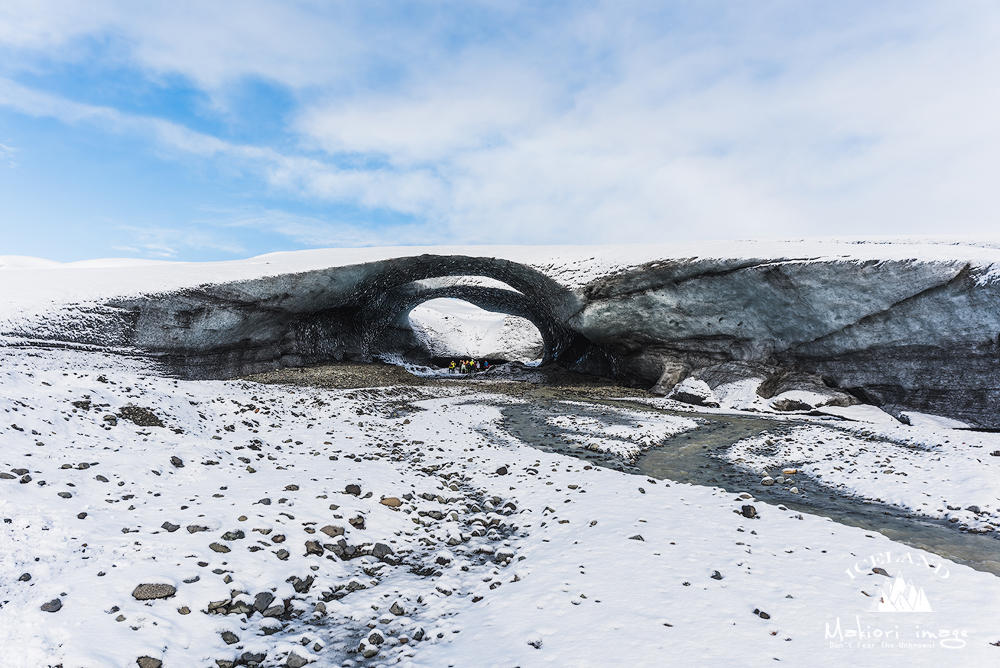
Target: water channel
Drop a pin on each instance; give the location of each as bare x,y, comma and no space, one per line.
694,457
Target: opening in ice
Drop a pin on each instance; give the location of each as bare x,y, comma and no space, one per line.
453,329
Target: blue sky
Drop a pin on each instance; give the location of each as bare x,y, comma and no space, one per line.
203,131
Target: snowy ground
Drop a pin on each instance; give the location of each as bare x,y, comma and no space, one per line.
553,563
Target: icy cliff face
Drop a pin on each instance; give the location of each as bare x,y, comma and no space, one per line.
901,325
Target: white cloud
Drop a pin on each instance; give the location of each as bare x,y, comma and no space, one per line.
593,123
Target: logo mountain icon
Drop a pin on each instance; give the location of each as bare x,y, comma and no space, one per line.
898,595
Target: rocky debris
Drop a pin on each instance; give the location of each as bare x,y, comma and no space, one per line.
7,476
194,528
146,592
282,554
141,417
81,516
391,501
313,547
637,537
767,481
184,610
55,605
502,470
357,522
170,527
354,490
252,658
219,547
878,570
234,535
177,462
291,488
749,512
230,638
148,662
65,495
761,614
25,577
716,575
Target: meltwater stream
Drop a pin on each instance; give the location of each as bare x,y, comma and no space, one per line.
694,457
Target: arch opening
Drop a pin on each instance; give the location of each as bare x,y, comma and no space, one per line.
449,329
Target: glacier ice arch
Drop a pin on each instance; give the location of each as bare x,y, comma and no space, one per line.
357,313
919,334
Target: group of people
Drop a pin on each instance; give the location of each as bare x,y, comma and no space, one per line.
468,366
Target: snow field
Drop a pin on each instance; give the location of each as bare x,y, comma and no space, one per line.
540,566
930,471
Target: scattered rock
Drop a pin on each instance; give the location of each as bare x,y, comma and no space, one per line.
282,554
354,490
502,470
234,535
184,610
145,592
170,527
696,392
81,516
767,481
65,495
274,611
381,551
25,577
391,501
359,522
219,547
880,571
177,462
291,488
332,531
761,614
716,575
279,538
313,547
397,609
194,528
262,601
52,606
230,638
637,537
148,662
295,661
749,512
7,476
974,509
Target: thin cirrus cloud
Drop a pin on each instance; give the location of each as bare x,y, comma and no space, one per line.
543,123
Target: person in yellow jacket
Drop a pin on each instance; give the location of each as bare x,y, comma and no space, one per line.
451,369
